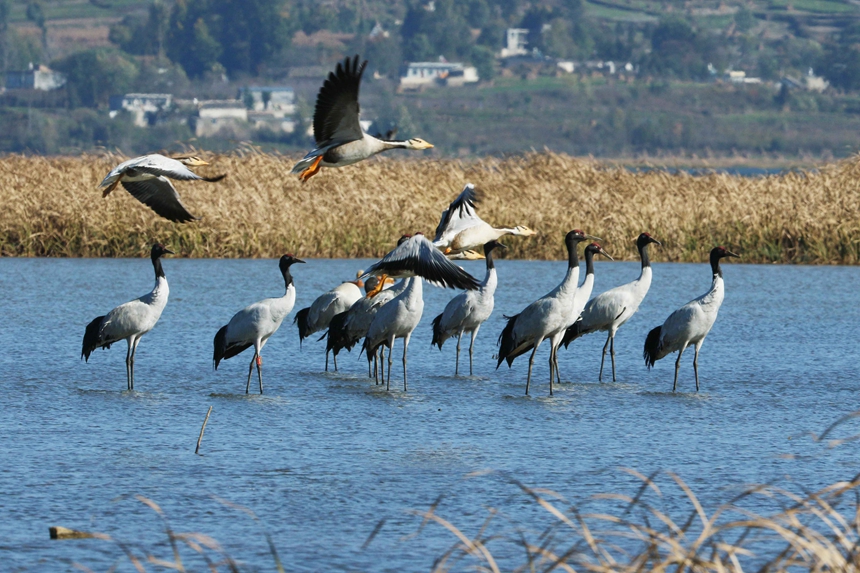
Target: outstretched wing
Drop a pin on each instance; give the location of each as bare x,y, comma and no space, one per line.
419,257
159,195
459,214
336,111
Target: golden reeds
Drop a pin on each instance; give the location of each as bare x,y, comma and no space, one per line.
52,208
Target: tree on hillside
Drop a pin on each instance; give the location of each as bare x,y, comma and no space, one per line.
238,34
143,37
94,75
437,28
840,62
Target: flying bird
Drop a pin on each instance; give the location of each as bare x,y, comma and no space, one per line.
461,229
254,324
131,320
608,311
148,178
339,138
690,324
467,311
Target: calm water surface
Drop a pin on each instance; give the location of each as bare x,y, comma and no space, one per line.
322,458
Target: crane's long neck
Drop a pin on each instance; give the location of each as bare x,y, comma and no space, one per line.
490,280
584,291
414,291
160,291
571,280
715,265
288,280
643,256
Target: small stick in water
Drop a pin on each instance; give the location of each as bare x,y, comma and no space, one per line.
200,438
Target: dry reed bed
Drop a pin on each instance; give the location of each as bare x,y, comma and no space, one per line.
260,210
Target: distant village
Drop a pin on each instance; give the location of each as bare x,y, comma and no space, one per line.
273,108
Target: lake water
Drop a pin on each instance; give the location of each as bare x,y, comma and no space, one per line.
323,458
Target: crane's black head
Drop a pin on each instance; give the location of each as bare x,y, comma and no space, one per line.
371,283
595,249
488,247
718,253
287,261
158,251
646,239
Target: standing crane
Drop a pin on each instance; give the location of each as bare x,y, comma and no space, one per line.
414,258
467,311
318,315
131,320
254,324
545,317
609,310
690,324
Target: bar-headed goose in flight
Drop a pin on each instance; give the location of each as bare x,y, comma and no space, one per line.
339,138
461,229
148,178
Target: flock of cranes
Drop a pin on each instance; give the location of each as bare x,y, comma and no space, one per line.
390,310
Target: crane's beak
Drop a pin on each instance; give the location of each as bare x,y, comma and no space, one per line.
298,261
731,254
592,237
501,245
605,254
169,252
656,242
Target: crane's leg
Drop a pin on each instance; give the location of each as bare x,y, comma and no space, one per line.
382,364
390,363
369,363
334,356
531,363
405,348
472,347
128,365
258,348
326,360
250,371
677,366
612,354
133,352
696,364
457,363
602,358
555,364
551,366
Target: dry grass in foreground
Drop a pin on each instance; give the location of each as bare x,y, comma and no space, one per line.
52,208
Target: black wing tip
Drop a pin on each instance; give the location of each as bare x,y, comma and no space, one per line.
506,341
91,338
573,332
652,346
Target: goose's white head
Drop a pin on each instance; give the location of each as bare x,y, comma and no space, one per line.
191,160
418,143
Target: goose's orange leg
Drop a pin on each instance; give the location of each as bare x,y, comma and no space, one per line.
312,170
107,191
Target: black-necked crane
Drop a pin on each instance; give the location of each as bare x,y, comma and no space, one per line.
340,141
256,323
545,317
690,324
147,178
466,312
318,315
461,229
130,321
347,328
415,258
608,311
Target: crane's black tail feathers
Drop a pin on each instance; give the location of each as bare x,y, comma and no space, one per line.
652,347
91,338
301,319
507,344
573,332
437,333
220,344
337,337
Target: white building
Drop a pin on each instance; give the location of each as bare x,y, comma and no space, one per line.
281,100
36,78
214,116
419,74
143,107
515,42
